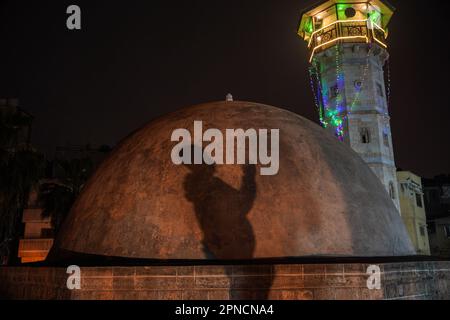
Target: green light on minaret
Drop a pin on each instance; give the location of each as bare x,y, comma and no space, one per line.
347,42
375,16
333,22
309,28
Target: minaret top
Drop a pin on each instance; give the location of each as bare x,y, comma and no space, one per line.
345,21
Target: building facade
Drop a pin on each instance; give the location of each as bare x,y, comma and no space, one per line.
437,203
413,210
38,231
15,151
348,54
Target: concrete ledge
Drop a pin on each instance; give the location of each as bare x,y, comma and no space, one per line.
408,280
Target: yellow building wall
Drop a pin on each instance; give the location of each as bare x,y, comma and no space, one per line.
414,216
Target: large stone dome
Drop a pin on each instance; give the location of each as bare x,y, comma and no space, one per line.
324,201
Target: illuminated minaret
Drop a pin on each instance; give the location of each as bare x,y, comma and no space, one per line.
348,51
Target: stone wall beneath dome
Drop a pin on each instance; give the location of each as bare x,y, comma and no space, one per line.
411,280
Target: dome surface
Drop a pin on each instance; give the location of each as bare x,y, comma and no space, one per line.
324,201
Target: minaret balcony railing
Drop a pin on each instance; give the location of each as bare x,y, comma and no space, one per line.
346,31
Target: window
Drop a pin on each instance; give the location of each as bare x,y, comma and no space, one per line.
380,90
419,200
350,12
334,91
422,231
403,187
392,190
447,230
318,24
358,85
386,139
365,136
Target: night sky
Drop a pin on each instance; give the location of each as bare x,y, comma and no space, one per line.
136,60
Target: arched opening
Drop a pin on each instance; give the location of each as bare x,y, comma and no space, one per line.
386,139
365,136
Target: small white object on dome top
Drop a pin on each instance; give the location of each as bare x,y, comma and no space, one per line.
229,97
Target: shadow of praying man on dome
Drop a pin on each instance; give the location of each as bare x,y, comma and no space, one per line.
222,211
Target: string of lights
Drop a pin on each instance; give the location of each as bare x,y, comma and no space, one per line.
315,80
363,80
388,67
335,116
